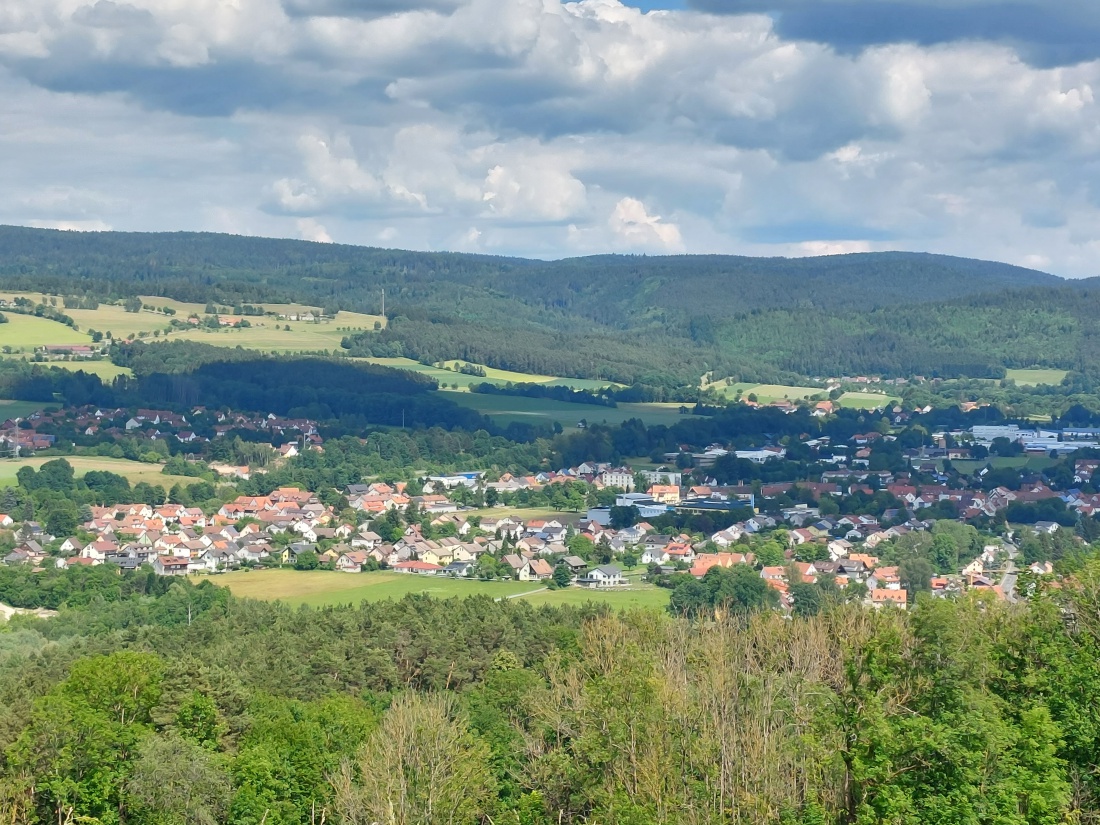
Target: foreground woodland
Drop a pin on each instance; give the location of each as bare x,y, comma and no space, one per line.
149,701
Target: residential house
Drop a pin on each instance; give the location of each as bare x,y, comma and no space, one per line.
170,566
608,575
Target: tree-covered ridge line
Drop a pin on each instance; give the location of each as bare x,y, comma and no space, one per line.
657,321
474,711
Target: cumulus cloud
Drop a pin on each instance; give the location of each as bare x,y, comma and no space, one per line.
544,128
311,230
630,222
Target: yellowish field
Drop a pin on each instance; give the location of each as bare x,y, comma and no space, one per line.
104,369
266,335
134,471
321,587
448,378
117,321
867,400
765,393
1033,378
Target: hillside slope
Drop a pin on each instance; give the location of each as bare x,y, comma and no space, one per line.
656,320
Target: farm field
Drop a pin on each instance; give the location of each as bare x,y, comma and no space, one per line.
20,409
528,513
22,333
765,393
318,588
505,409
134,471
117,321
301,337
637,595
999,462
104,369
450,377
867,400
1032,378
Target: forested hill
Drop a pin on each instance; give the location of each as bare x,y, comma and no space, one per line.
660,321
189,266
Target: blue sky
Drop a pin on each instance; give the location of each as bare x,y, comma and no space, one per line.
535,127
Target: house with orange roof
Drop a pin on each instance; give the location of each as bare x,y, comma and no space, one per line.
664,493
705,561
881,597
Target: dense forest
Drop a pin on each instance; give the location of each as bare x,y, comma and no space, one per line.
660,321
156,701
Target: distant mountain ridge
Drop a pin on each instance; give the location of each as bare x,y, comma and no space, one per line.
158,259
656,320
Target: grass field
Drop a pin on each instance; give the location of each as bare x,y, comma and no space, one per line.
321,587
22,333
104,369
269,337
450,377
134,471
765,393
117,321
867,400
1000,462
505,409
1032,378
20,409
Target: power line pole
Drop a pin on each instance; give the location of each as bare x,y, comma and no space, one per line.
383,303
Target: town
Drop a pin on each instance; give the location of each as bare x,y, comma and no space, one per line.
876,535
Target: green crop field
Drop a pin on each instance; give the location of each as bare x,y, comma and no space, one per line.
639,595
318,588
117,321
450,377
507,408
22,333
266,339
134,471
867,400
21,409
765,393
1032,378
1039,462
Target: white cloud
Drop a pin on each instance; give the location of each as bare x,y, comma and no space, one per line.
72,226
544,127
630,222
813,248
311,230
533,192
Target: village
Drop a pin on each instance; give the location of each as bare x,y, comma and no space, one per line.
436,533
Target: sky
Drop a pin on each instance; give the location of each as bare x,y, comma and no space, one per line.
549,129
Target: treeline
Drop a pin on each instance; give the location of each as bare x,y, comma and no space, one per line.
171,357
556,392
539,347
212,709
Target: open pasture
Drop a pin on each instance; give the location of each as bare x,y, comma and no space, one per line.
867,400
318,588
505,409
1033,378
449,377
134,471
